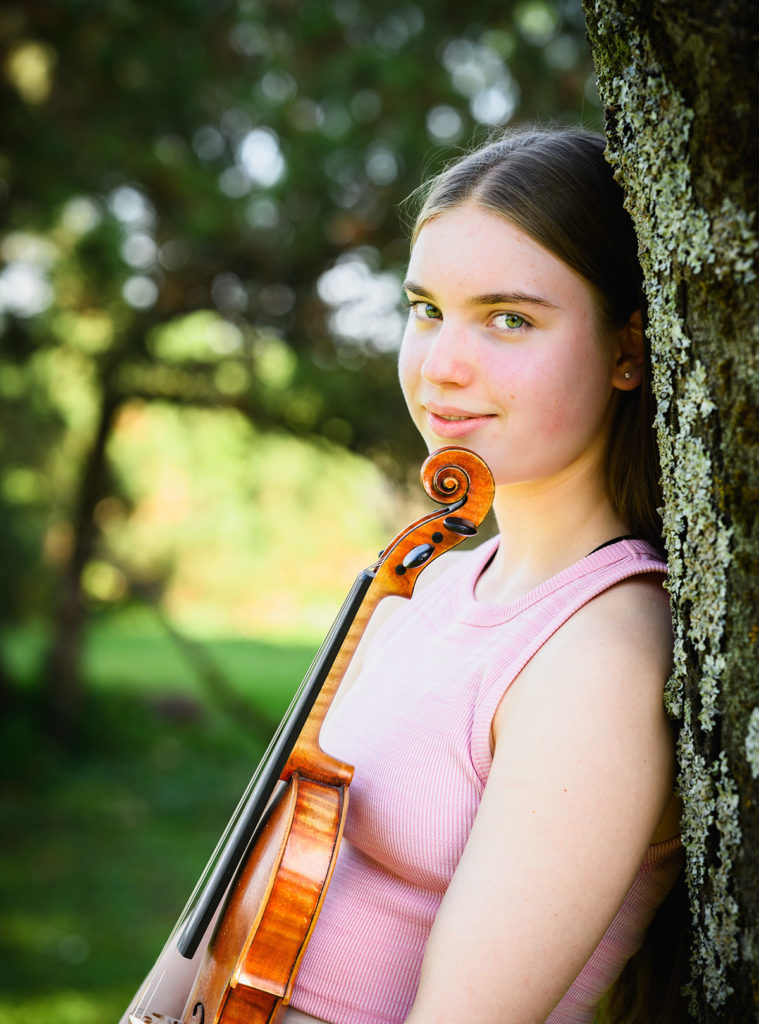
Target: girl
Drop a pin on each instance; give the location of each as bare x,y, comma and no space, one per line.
512,826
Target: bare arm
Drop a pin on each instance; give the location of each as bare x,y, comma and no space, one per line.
582,774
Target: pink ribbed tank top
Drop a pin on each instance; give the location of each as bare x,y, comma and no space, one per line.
416,725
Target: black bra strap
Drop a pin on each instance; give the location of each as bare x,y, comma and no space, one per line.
614,540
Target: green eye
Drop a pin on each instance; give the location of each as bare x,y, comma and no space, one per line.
424,310
511,321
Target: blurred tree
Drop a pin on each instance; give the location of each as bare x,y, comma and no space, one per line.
199,205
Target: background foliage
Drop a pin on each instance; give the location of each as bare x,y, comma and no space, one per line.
200,257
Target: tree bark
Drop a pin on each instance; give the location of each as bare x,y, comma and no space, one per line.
679,81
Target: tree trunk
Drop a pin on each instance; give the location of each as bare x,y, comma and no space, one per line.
62,683
679,81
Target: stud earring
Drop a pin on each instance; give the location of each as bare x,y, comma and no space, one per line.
628,375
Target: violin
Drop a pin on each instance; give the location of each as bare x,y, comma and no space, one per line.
234,954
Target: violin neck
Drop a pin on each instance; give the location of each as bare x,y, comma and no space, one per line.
250,814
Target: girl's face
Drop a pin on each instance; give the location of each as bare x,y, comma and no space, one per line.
502,353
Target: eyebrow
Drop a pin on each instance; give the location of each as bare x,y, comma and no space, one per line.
489,298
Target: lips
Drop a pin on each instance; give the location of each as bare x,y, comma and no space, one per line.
448,422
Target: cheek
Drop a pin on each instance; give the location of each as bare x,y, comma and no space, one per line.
410,360
577,400
526,379
559,394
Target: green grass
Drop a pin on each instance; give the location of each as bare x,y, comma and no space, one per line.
133,652
104,841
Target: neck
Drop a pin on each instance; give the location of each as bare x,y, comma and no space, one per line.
545,527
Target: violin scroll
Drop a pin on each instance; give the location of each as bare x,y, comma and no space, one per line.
458,479
447,473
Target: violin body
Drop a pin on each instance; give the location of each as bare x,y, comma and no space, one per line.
273,908
266,900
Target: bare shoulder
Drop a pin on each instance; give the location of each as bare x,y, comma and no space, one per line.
641,598
614,655
632,620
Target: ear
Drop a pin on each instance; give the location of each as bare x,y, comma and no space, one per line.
630,353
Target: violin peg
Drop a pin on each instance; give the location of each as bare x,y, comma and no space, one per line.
457,524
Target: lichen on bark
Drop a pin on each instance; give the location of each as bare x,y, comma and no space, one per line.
697,245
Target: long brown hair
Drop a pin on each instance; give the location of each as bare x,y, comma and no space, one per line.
557,187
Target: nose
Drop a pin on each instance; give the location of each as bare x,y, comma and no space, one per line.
448,359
